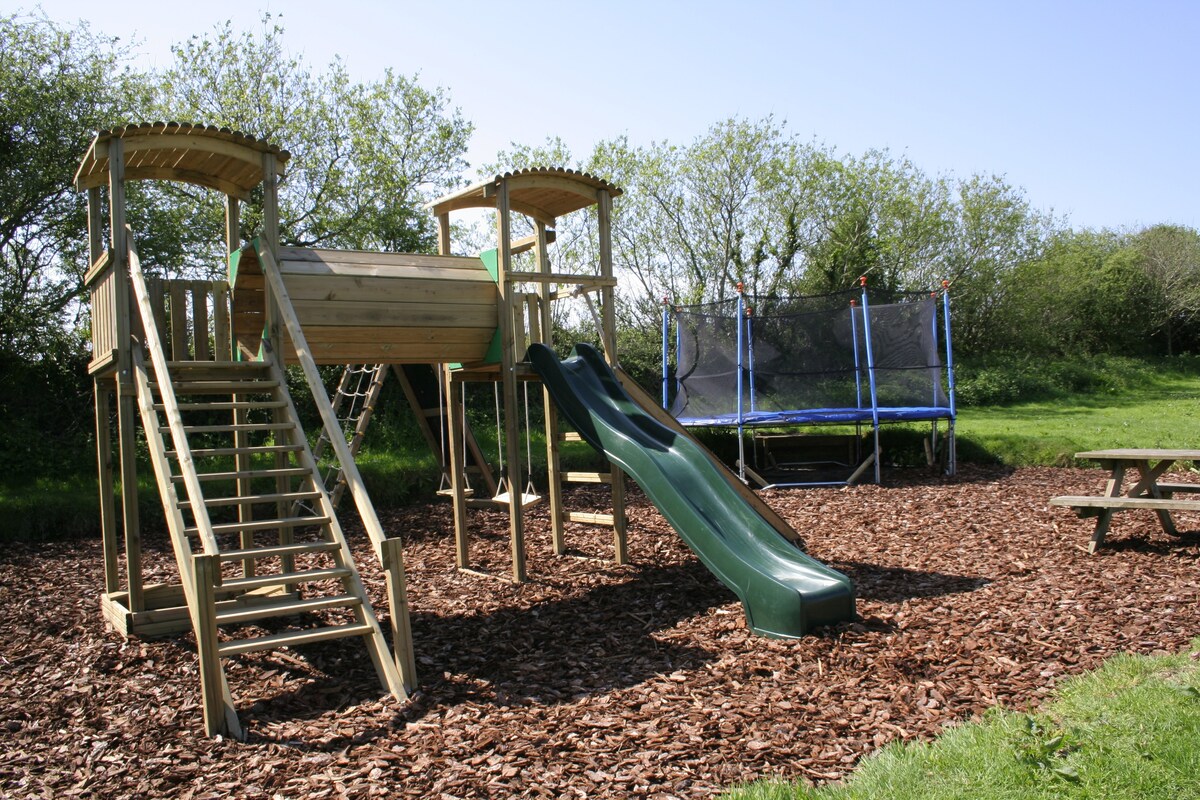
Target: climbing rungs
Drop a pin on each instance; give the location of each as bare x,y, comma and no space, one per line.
285,578
262,525
571,436
280,550
292,639
589,518
290,607
587,477
212,452
249,474
249,499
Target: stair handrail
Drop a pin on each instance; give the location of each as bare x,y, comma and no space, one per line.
158,359
333,429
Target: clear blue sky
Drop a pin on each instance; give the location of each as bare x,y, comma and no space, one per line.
1092,107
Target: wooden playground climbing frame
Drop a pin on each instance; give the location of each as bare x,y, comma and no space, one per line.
252,524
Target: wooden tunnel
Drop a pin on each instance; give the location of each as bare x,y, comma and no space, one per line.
367,307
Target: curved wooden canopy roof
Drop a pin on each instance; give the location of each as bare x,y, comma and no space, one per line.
542,193
204,155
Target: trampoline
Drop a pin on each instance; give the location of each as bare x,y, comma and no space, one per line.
848,358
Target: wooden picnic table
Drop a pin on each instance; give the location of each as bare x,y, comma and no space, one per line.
1146,492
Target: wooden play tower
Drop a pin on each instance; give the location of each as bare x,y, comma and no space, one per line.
261,556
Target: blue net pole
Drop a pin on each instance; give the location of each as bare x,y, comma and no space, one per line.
666,328
871,373
741,421
857,362
949,347
750,354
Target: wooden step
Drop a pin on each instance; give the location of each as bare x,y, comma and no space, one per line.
213,370
250,499
288,607
285,578
292,639
251,427
253,450
571,436
262,525
228,366
278,550
587,477
589,518
226,405
223,387
249,474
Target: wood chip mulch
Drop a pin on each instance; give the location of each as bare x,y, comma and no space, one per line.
595,680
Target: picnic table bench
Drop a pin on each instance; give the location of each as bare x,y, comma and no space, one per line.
1147,492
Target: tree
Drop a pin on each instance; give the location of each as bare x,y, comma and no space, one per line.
1169,255
57,87
995,230
364,155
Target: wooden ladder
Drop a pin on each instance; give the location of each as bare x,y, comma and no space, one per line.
254,531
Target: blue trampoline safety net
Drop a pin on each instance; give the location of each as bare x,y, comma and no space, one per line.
837,358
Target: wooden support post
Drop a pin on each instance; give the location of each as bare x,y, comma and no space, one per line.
457,469
220,718
104,461
402,645
126,390
550,412
508,382
608,319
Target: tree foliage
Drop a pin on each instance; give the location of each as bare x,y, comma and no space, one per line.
364,155
57,86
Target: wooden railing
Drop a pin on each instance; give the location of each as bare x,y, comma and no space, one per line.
192,318
101,285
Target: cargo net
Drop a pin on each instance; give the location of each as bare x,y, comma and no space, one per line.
805,359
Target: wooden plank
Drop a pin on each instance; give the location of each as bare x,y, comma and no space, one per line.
403,288
392,314
222,346
389,354
437,273
1123,502
348,334
562,277
587,477
200,320
1171,488
589,518
178,298
352,257
1140,454
205,572
104,462
293,638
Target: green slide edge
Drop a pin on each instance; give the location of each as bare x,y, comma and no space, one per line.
785,593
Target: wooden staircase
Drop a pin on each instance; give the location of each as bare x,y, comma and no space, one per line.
263,559
251,523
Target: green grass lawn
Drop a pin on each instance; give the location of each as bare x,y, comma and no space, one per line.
1129,730
1162,413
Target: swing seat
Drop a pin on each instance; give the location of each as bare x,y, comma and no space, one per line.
448,492
527,499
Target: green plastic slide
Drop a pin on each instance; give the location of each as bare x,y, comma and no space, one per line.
785,593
